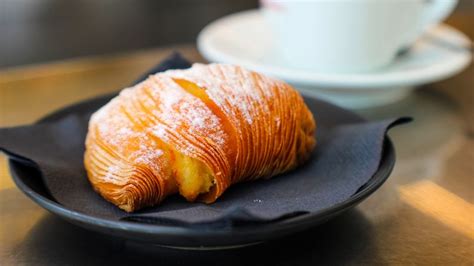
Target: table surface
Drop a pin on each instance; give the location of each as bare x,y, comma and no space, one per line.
423,214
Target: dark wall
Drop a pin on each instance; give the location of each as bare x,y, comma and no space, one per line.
33,31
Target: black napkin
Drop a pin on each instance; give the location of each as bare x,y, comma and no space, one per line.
348,154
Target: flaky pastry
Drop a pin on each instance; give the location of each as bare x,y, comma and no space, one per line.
195,132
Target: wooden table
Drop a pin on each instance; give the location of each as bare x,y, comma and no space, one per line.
424,213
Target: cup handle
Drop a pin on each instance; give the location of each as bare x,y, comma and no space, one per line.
436,11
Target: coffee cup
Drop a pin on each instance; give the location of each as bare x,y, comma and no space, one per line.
348,36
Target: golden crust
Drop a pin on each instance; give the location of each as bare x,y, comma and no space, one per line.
196,132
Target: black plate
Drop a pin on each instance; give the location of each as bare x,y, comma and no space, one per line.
192,237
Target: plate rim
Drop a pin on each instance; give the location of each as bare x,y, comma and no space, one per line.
327,81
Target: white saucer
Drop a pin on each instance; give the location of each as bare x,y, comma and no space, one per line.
244,39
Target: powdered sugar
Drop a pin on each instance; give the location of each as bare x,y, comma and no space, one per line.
179,110
198,122
159,132
147,156
112,175
230,85
124,132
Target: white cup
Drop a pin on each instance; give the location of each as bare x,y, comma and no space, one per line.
343,36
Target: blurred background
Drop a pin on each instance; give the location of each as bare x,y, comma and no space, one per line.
422,215
33,31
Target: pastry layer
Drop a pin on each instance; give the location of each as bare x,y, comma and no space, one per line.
195,132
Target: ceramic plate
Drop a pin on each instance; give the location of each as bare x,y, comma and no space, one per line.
244,39
187,237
